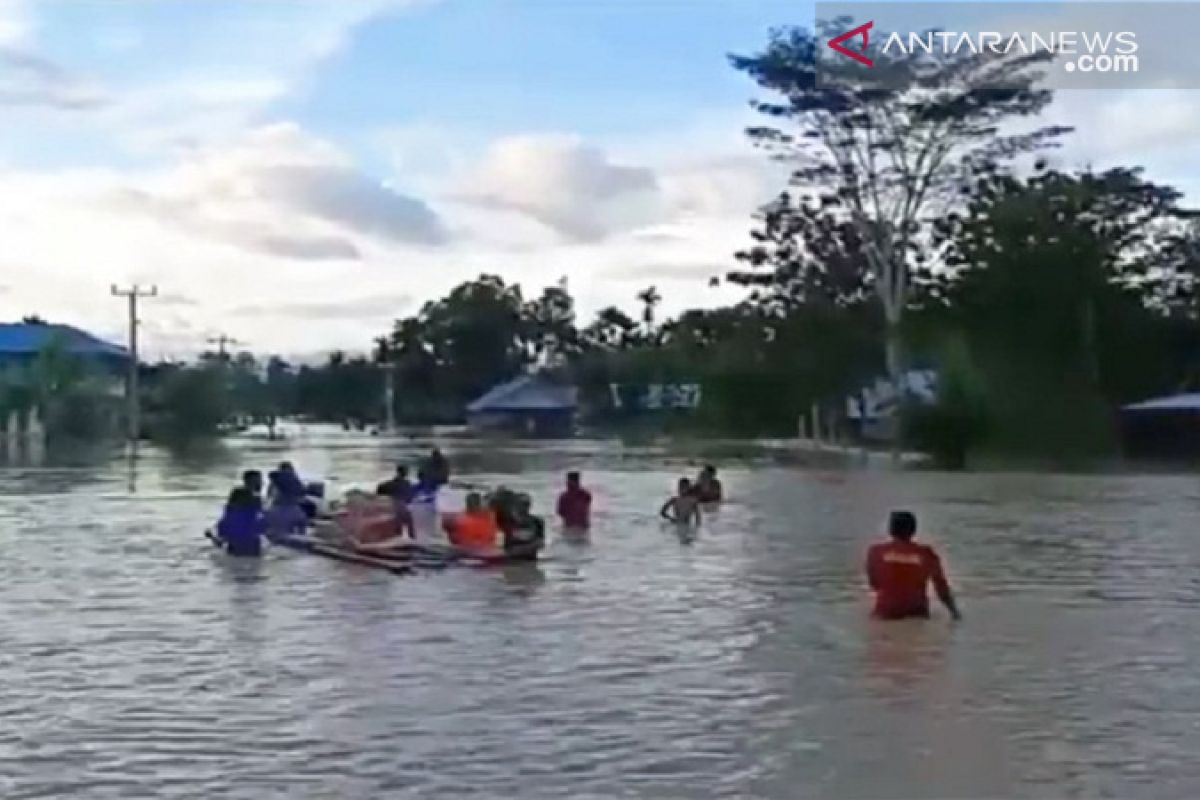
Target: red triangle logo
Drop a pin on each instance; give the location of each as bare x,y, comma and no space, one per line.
861,30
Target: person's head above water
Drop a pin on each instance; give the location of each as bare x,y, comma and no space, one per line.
401,471
241,498
902,525
474,502
574,480
685,486
252,479
709,472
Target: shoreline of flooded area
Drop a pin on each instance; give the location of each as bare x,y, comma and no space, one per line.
138,662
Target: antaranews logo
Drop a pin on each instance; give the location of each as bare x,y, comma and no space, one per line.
1081,50
863,31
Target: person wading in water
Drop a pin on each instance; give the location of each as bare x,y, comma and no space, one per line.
899,571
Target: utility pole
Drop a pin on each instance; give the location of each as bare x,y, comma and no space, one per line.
132,399
389,394
222,341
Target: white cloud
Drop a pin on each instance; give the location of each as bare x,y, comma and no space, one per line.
567,185
375,307
584,193
282,192
16,22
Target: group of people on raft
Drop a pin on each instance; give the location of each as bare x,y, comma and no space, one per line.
503,523
500,522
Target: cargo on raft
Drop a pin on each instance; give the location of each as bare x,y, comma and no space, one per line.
402,558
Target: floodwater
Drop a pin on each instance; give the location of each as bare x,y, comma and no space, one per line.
135,662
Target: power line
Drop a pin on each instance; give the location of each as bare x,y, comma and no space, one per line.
132,398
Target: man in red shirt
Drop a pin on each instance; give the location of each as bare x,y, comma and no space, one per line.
899,570
575,504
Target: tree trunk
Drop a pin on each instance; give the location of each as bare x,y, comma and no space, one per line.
891,283
894,353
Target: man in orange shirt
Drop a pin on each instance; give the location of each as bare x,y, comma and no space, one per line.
899,570
474,529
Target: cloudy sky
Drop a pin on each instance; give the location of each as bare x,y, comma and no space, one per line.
297,174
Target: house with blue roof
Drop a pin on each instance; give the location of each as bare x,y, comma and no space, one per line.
33,390
21,342
533,405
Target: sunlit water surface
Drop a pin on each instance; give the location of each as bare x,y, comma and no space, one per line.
136,662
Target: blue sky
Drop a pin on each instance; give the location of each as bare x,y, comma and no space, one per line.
297,174
194,143
593,67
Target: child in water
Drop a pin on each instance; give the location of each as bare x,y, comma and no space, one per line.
684,507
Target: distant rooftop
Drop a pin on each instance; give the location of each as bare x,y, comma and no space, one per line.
526,393
29,338
1177,402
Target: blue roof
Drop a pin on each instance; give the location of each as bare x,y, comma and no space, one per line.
1178,402
526,393
27,339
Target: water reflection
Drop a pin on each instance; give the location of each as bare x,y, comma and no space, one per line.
523,579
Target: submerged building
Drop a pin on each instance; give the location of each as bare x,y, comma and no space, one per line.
36,379
1162,428
22,342
532,405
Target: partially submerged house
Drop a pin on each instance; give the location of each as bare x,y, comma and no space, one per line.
532,405
1162,428
22,342
33,373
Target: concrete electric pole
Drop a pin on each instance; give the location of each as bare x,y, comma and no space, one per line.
132,398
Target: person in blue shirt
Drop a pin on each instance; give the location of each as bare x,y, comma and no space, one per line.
286,486
286,513
241,526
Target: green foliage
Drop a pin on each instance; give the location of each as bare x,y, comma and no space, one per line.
873,152
188,402
344,389
1066,290
69,395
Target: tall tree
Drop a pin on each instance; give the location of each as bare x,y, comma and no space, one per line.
1063,286
884,147
550,325
612,329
